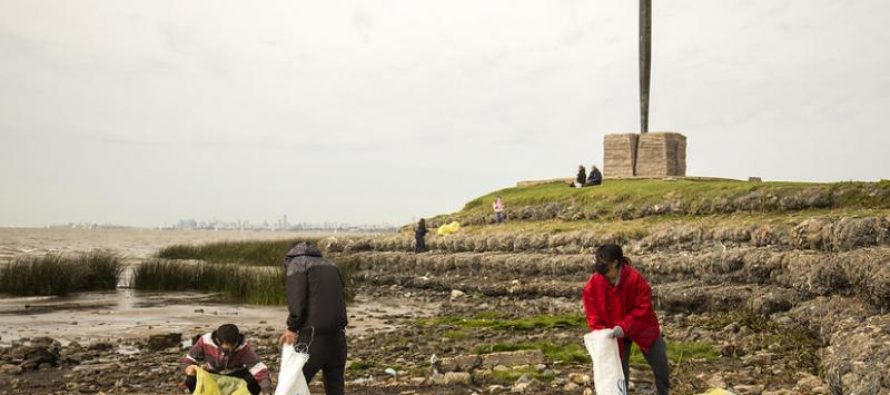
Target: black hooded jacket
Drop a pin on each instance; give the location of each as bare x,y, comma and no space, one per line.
315,296
582,176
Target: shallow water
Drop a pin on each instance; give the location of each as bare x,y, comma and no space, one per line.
131,243
128,313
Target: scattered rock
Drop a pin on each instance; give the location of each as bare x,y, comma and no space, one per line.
164,341
463,363
716,381
579,379
10,370
453,378
101,346
514,358
748,389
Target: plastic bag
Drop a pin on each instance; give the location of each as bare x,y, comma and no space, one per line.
608,376
445,230
718,391
290,376
215,384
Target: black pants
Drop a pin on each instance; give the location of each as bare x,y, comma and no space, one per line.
419,244
328,354
252,385
658,361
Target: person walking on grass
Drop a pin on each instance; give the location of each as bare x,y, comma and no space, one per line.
420,236
225,352
618,298
498,207
317,314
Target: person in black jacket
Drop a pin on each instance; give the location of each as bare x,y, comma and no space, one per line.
581,178
595,178
317,318
419,236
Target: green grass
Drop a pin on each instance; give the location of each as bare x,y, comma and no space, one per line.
577,354
623,199
361,366
458,334
497,321
60,275
641,227
264,286
236,283
253,253
567,353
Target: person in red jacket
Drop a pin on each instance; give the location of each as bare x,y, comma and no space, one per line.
618,298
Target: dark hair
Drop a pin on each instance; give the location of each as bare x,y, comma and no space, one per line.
228,333
608,253
422,222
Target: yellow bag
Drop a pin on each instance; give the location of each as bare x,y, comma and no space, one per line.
717,391
215,384
445,230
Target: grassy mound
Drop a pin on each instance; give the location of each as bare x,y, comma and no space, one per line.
627,199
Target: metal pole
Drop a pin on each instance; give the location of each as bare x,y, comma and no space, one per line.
645,61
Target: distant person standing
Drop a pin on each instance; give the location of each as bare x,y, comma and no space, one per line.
419,236
595,177
317,307
498,207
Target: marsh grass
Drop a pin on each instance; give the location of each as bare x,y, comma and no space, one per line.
253,253
61,274
236,283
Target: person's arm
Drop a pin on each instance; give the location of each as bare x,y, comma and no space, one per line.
594,320
642,307
297,290
258,370
195,355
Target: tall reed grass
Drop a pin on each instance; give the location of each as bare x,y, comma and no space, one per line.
56,274
254,253
242,284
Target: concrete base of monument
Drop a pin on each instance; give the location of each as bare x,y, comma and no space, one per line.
653,154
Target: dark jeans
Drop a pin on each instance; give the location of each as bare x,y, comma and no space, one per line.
252,385
420,244
499,217
658,361
328,354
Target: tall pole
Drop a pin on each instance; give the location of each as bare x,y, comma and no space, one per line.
645,61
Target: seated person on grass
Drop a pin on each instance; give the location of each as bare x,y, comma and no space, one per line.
225,352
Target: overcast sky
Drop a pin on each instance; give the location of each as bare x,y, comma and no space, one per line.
147,112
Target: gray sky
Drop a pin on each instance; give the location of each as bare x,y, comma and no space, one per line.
146,112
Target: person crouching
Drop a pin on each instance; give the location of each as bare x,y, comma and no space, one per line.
225,352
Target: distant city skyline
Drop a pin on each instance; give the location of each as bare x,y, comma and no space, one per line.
222,224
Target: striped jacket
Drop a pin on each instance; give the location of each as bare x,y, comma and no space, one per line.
211,357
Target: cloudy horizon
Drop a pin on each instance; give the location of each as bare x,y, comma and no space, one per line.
145,113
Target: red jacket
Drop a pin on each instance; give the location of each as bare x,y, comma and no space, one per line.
628,305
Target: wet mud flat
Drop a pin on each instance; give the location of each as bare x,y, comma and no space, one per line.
401,341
